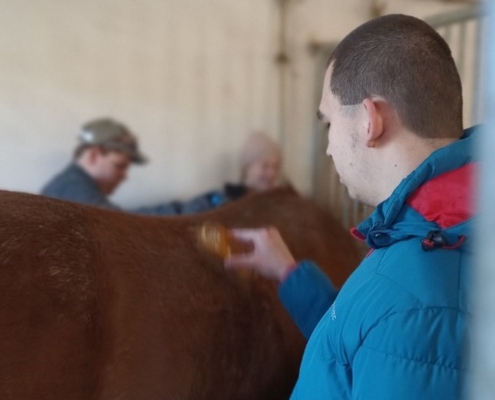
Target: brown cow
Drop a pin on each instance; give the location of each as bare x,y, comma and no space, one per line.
97,304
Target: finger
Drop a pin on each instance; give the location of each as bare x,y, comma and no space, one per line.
246,234
239,260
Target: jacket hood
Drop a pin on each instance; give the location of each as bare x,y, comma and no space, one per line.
434,202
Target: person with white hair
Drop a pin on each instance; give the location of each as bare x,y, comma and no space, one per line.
260,162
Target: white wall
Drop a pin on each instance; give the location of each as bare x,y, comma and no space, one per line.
190,77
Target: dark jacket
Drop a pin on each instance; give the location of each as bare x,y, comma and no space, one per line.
213,199
74,184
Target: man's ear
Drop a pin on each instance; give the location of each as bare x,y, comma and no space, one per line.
375,120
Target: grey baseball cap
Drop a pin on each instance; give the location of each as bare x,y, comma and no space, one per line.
112,135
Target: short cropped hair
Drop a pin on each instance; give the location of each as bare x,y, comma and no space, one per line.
405,61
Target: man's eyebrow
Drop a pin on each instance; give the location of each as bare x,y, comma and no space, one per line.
320,115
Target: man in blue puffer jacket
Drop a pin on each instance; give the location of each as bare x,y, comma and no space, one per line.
397,328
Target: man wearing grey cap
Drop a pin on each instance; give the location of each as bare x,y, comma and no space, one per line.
100,164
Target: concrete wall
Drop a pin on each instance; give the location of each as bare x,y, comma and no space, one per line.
190,77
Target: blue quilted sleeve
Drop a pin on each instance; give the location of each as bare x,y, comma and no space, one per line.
306,294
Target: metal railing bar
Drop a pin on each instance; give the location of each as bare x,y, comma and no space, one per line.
464,14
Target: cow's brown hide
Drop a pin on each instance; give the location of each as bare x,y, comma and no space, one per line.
97,304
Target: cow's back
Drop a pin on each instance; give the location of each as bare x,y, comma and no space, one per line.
48,298
106,305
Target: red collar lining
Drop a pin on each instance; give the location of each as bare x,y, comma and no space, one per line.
447,199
